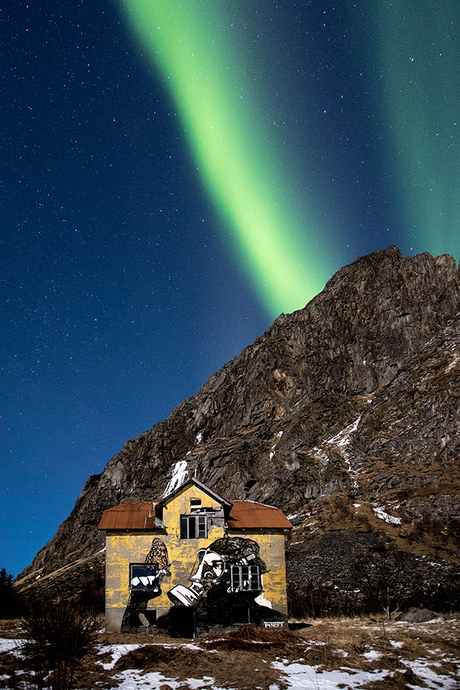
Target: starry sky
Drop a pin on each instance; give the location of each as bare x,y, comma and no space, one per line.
174,174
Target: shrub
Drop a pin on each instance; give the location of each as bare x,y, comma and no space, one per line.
309,600
59,635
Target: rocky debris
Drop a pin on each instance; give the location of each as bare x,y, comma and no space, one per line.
418,615
356,395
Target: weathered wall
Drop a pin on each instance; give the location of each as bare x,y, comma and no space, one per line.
272,552
121,550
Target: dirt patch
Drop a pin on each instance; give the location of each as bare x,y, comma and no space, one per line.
252,638
10,629
230,669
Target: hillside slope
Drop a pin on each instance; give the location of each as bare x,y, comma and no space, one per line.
344,414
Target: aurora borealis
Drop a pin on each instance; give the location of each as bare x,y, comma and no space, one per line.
200,60
201,56
418,52
174,175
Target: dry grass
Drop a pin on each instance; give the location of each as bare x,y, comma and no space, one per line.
10,629
252,638
437,641
231,668
243,658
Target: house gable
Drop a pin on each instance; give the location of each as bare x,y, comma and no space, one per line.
199,486
193,512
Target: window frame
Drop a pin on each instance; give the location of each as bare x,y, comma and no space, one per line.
193,526
239,574
153,570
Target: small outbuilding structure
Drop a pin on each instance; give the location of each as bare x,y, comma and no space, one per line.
194,561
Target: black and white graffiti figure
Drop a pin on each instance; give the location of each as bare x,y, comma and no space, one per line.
230,562
144,584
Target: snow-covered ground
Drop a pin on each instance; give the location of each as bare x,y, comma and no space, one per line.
383,515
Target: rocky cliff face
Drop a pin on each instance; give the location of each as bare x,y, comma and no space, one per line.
343,414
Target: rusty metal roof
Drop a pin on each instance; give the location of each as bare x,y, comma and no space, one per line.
249,515
139,515
243,515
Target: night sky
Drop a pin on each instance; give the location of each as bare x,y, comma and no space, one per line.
175,174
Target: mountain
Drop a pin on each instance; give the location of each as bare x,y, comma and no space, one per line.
344,414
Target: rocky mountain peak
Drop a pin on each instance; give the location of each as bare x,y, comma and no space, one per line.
315,407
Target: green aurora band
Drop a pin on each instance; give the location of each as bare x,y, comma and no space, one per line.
191,43
418,52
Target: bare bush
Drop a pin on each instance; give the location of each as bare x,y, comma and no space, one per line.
309,599
58,636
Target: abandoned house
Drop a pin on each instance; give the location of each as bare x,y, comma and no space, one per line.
194,561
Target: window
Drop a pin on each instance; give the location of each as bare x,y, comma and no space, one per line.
245,578
142,577
193,527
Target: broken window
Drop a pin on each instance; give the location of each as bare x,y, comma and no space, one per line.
193,527
245,577
195,505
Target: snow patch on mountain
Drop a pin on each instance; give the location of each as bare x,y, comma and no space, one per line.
179,475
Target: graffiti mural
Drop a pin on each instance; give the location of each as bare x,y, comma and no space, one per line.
144,585
224,584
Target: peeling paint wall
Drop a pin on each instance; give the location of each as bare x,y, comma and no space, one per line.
272,552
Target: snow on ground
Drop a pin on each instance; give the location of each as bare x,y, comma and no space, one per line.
454,362
117,651
340,442
389,519
298,676
431,679
320,455
137,680
278,436
302,676
342,439
9,645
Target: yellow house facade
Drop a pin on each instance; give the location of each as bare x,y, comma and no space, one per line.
194,561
